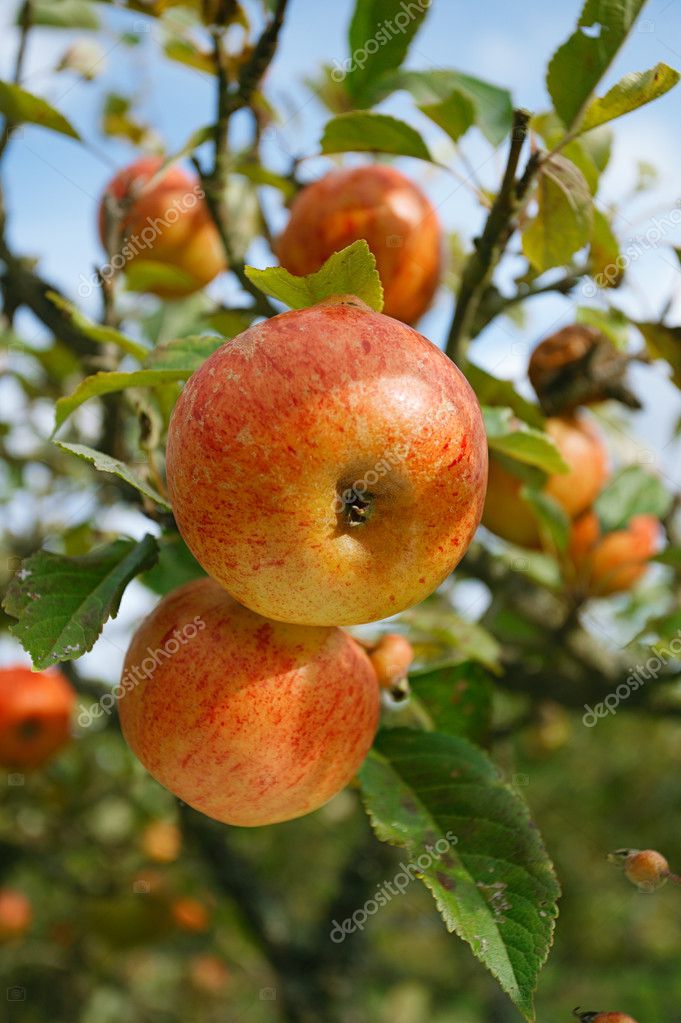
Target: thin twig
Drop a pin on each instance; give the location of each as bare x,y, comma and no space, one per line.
491,244
25,22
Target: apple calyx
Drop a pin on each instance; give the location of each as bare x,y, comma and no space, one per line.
357,507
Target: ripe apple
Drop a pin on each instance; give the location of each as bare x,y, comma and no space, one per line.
15,914
507,515
35,715
249,721
381,205
328,466
603,1017
614,562
166,221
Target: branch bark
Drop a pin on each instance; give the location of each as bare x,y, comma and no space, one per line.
490,246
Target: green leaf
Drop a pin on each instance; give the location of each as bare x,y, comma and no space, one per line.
449,637
62,603
143,275
552,130
579,64
176,566
375,26
361,131
65,14
632,491
611,322
455,115
474,846
493,106
562,224
96,332
663,342
108,383
184,51
259,175
510,436
21,107
633,91
352,271
604,253
456,698
492,391
554,524
185,353
105,463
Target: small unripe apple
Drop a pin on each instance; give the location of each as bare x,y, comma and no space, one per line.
249,721
507,515
614,562
390,212
161,219
328,466
161,841
190,914
15,914
391,658
208,974
646,868
35,715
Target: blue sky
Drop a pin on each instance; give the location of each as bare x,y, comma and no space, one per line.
53,184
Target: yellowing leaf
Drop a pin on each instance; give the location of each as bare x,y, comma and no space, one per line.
562,224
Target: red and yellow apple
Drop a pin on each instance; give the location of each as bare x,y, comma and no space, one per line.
583,451
35,715
381,205
161,219
15,914
613,562
249,721
327,466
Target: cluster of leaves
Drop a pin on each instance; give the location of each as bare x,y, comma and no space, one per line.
420,783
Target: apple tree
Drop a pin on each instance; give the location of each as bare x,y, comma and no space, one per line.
516,691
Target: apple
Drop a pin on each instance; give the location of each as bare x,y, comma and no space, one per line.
35,715
391,657
381,205
249,721
163,220
507,515
161,841
190,914
208,974
15,914
613,562
327,466
603,1017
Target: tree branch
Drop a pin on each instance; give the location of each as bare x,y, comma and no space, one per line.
229,102
25,21
490,246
